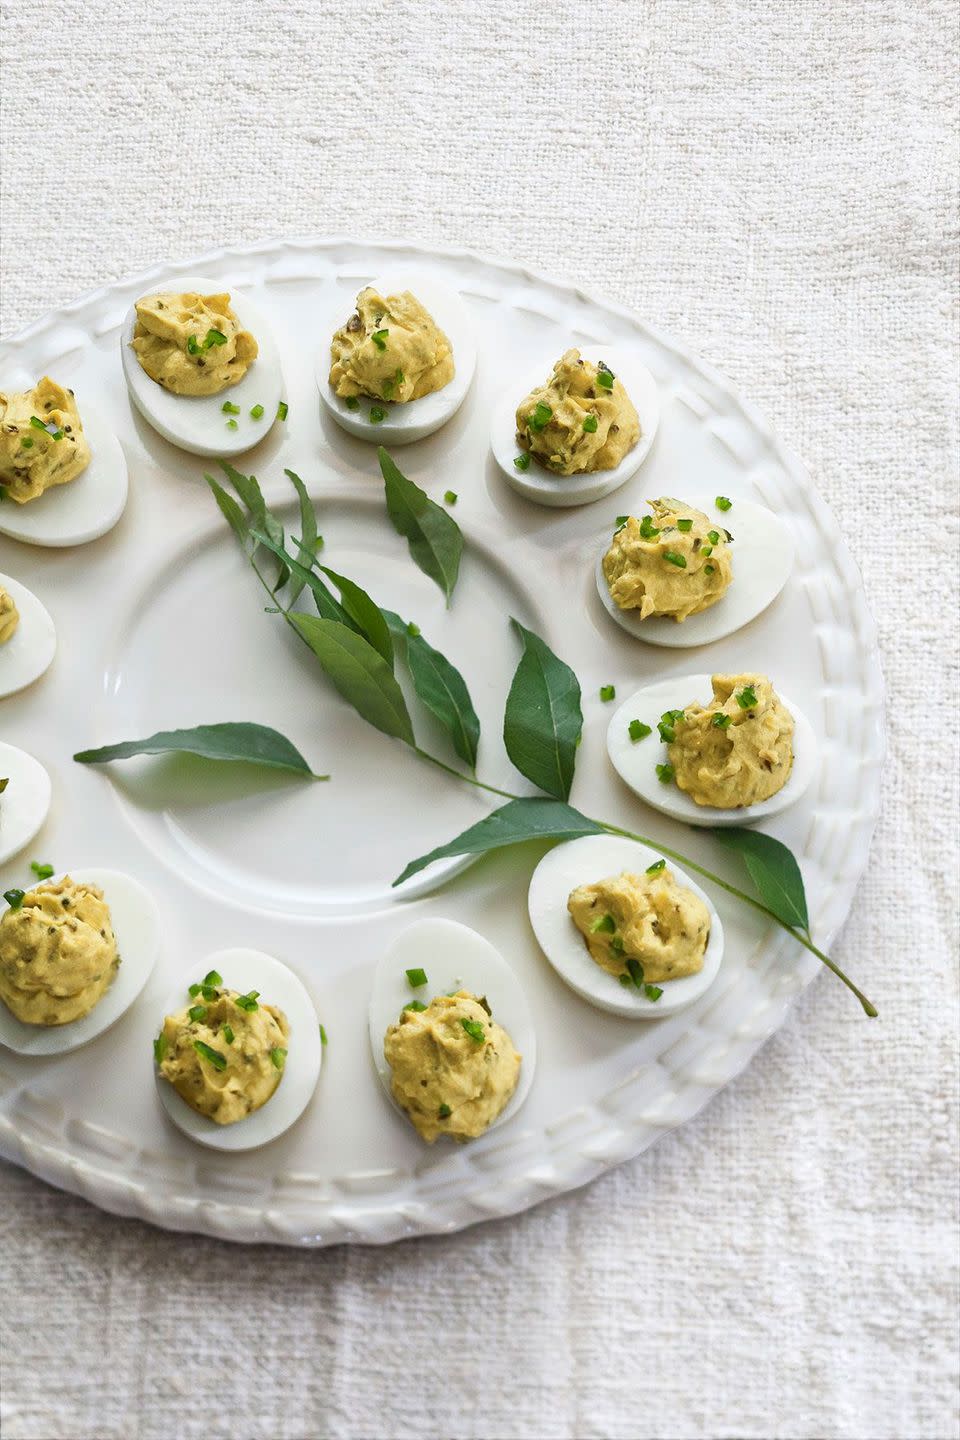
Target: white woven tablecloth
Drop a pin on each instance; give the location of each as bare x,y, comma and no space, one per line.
776,183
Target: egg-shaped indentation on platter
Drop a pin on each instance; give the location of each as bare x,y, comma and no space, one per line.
84,508
587,861
534,480
376,417
24,799
235,418
29,651
244,970
452,957
136,926
762,553
636,761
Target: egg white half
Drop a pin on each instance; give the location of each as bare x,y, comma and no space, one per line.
763,553
136,924
197,423
636,761
25,803
537,483
454,958
416,418
83,509
244,970
32,646
583,862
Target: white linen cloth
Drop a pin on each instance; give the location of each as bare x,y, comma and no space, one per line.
777,184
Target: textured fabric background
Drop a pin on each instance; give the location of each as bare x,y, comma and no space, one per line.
777,183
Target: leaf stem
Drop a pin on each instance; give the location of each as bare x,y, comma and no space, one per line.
803,938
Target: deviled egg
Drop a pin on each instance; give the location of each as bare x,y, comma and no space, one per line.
24,799
691,572
400,365
28,640
202,367
238,1054
451,1033
75,952
627,930
740,756
63,476
573,431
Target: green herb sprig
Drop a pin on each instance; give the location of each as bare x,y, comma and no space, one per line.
542,722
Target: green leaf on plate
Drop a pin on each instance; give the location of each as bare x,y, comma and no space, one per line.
439,685
359,672
518,820
543,719
230,510
434,537
774,871
443,690
308,533
364,612
232,740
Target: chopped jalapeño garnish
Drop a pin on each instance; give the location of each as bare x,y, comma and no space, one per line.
638,730
218,1061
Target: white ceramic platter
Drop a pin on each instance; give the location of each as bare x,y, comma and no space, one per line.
161,624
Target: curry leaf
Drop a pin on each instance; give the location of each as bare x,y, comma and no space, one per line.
543,719
528,819
434,537
233,740
364,612
308,532
248,488
230,510
439,685
443,690
359,672
774,871
249,491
